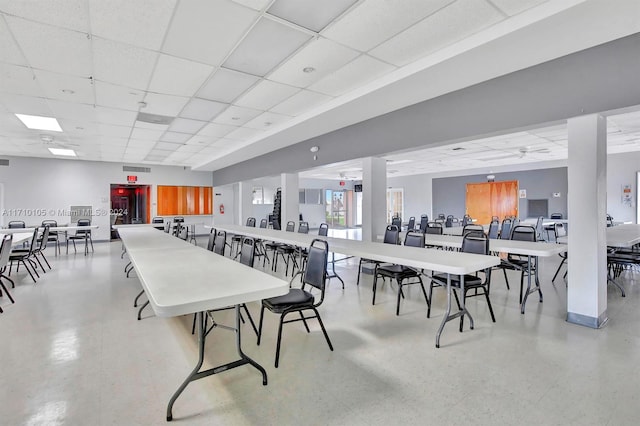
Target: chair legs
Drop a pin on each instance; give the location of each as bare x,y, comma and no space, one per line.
424,292
282,322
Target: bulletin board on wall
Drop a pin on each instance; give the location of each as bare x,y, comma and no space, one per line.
185,200
485,200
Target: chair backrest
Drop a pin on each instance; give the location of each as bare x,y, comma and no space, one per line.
559,230
449,222
556,216
475,242
434,224
303,228
435,229
291,226
248,251
50,222
505,231
220,243
136,221
471,228
414,239
183,234
441,216
397,221
524,233
83,222
323,231
157,220
167,227
34,241
212,239
609,221
275,224
5,249
251,221
391,234
178,219
264,223
424,220
17,224
494,228
412,223
315,273
466,220
539,228
44,238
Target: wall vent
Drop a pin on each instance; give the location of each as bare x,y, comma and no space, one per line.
136,169
4,162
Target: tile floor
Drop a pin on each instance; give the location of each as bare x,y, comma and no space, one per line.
74,354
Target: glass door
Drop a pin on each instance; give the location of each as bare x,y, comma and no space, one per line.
336,208
395,203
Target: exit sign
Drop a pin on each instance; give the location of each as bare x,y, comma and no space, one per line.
132,179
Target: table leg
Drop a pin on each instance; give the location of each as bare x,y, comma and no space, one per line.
197,374
530,290
461,313
334,274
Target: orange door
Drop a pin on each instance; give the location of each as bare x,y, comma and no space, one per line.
485,200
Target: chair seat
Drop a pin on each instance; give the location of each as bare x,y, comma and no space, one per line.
296,298
18,256
286,249
470,281
397,272
514,264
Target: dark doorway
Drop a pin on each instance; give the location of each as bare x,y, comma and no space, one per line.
130,204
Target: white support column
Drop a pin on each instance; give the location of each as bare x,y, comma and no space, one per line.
290,199
587,287
245,202
374,198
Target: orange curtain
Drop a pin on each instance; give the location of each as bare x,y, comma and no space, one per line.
184,200
485,200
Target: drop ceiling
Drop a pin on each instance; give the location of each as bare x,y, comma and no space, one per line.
232,75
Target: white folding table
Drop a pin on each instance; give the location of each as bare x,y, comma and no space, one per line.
451,263
180,278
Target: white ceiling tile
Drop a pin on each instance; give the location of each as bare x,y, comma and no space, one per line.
18,80
323,55
266,94
175,76
114,131
243,134
184,125
190,148
451,24
164,104
70,14
236,116
175,137
140,144
115,116
140,23
9,50
374,21
122,64
65,51
72,110
201,140
166,146
301,102
355,74
206,31
110,95
226,85
202,109
57,86
216,130
152,126
311,14
267,44
513,7
253,4
146,134
267,121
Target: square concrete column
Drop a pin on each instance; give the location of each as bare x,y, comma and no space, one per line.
587,197
290,199
245,202
374,198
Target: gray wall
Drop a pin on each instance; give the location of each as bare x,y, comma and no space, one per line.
417,194
598,79
449,193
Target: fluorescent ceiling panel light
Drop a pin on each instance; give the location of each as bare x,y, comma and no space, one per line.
38,122
63,152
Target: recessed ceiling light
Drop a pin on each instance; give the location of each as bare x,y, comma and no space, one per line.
308,69
68,91
39,123
235,118
63,152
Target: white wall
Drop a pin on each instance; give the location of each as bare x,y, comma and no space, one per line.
224,195
417,194
42,187
621,170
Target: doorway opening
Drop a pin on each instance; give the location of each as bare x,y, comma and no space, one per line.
338,208
130,204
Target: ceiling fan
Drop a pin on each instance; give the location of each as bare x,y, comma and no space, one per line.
523,151
49,141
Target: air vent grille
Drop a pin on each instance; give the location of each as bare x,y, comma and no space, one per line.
4,162
136,169
154,118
